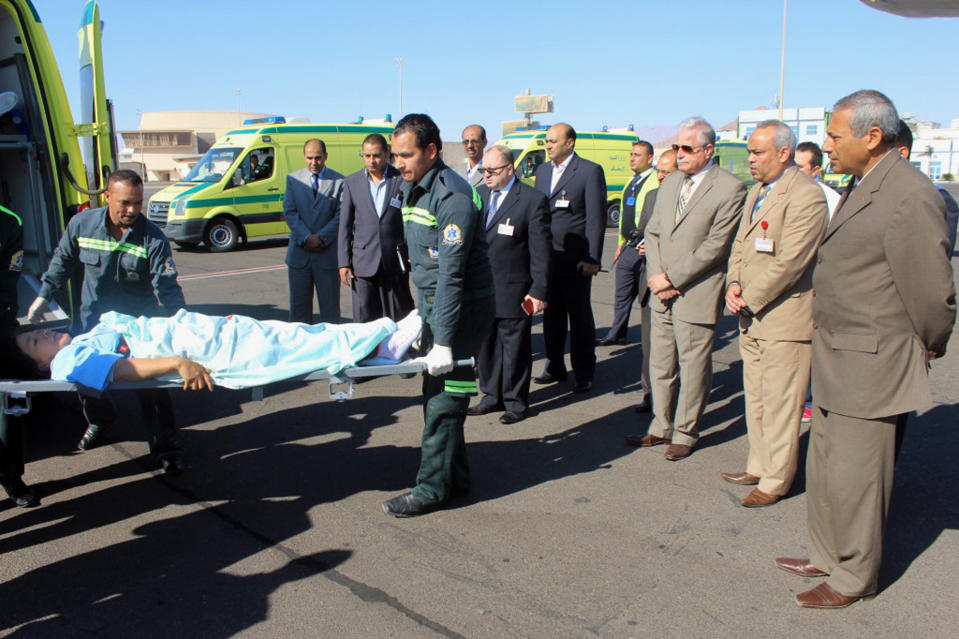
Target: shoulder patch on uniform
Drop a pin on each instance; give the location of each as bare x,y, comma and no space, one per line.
169,268
452,235
16,261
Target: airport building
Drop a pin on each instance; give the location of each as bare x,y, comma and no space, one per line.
935,149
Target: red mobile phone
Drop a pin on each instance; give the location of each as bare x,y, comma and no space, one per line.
527,306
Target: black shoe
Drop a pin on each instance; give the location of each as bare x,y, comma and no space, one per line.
172,464
407,505
644,406
548,378
483,409
91,438
22,495
582,387
606,341
509,417
407,375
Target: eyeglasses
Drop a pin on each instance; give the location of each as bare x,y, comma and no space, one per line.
469,142
685,148
493,170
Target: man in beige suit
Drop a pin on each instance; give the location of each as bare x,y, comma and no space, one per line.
884,306
770,288
687,246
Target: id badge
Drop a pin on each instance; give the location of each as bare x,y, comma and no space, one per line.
630,201
395,203
506,229
764,245
562,204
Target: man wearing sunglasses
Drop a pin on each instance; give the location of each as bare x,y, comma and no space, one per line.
516,221
687,245
576,189
474,143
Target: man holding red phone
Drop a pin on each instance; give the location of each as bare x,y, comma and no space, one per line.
516,221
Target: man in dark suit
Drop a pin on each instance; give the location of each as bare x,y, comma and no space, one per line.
311,207
576,189
373,258
884,306
516,220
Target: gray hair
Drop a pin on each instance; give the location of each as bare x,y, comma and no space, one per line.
869,109
783,136
707,135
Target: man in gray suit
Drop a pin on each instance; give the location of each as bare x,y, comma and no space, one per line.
373,258
687,246
311,207
884,306
474,143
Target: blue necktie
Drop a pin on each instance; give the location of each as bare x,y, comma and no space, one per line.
493,205
316,184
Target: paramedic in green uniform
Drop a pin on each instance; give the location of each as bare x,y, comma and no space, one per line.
454,284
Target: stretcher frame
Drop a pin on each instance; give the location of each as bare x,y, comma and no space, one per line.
20,390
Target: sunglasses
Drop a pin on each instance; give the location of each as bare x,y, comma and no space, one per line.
685,148
493,170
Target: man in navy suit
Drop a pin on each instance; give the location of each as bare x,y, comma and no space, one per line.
311,207
373,258
576,189
516,221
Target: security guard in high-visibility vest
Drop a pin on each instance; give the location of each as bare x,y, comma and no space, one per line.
455,299
628,260
126,264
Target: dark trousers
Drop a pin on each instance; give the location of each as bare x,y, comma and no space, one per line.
156,408
383,295
302,283
627,286
569,301
443,465
505,364
11,449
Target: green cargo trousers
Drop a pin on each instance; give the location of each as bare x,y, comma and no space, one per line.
443,465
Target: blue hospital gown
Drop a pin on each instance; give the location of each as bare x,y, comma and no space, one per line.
240,352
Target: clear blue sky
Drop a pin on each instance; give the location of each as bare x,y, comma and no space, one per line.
615,63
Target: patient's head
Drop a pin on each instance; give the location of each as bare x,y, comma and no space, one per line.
41,346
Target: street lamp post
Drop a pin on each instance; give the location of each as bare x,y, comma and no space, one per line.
399,65
782,64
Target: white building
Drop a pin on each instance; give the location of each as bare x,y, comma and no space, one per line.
935,148
808,123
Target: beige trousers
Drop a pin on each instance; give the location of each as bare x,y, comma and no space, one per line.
775,381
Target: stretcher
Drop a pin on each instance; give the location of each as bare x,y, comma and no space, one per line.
16,393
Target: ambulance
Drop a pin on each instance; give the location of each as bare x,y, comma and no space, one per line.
50,167
733,156
609,149
235,192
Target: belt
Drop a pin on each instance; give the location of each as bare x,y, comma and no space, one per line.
468,296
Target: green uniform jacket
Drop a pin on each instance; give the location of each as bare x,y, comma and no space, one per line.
126,276
11,263
447,246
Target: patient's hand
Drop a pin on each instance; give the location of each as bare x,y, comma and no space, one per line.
195,376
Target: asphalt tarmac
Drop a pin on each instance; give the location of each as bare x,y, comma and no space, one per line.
276,528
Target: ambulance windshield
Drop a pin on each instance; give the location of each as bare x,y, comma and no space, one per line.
213,165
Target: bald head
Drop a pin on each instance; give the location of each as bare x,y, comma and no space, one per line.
560,142
666,164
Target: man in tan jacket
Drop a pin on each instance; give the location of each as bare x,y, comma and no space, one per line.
884,306
770,288
687,247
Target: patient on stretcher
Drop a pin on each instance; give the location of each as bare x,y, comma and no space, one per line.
203,350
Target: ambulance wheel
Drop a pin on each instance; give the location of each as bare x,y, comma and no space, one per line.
186,245
612,215
221,235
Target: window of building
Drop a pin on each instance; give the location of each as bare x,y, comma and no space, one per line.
812,129
749,130
935,170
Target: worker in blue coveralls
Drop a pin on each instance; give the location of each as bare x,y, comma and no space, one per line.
450,269
127,265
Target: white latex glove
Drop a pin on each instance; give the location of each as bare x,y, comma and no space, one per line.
438,361
37,309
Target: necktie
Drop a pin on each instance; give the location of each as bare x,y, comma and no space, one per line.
316,184
759,200
493,205
684,197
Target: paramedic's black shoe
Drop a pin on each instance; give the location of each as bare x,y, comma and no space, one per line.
21,494
91,438
407,506
172,464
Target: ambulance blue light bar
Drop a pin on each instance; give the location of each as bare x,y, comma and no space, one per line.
273,119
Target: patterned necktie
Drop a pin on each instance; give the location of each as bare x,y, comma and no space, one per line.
316,184
493,205
759,201
684,197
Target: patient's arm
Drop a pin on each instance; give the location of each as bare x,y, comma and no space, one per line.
195,376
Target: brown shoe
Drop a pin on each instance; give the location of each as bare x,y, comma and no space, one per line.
757,499
824,596
743,479
675,452
645,440
801,567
